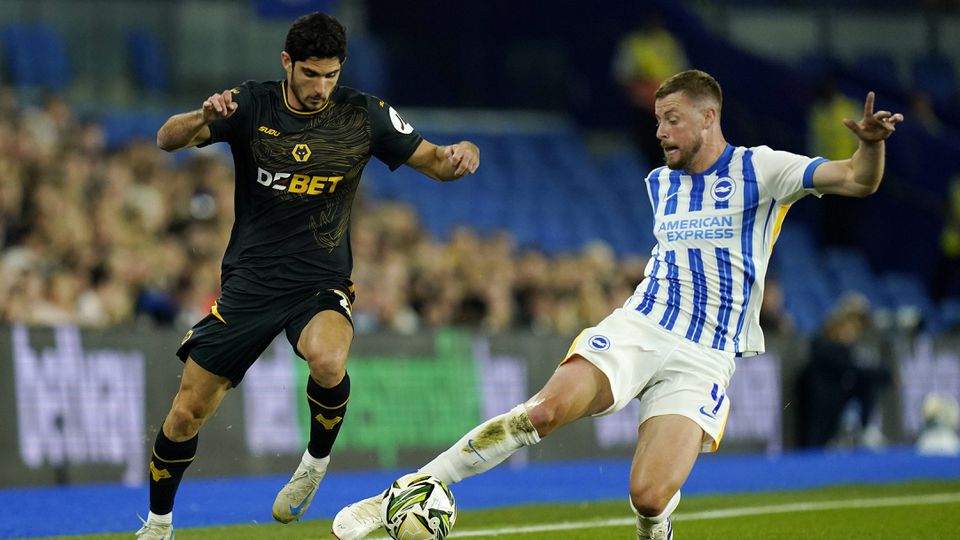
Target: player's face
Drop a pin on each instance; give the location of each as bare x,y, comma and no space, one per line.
311,81
680,126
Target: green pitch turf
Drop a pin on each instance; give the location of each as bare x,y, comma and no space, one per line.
928,510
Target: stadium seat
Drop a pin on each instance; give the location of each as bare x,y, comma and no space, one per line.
147,61
121,128
936,75
878,71
817,65
849,270
907,291
366,67
950,313
35,57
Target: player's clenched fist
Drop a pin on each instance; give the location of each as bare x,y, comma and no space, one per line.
219,106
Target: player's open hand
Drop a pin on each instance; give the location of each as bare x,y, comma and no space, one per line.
874,126
464,156
219,106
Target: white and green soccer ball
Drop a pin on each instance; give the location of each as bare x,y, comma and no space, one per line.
418,507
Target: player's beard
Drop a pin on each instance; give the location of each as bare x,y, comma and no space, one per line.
685,157
308,101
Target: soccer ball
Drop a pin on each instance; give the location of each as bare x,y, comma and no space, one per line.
418,507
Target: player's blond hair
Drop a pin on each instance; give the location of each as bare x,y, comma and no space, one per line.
697,85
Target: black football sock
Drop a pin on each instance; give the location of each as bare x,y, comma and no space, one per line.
170,460
327,408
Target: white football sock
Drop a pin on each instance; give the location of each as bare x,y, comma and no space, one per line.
314,462
646,524
165,519
484,447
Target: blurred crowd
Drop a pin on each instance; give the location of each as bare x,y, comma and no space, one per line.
98,238
135,236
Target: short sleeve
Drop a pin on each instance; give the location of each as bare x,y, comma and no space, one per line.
227,129
393,140
787,176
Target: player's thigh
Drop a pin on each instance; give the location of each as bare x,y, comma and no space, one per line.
326,338
576,389
628,350
667,448
321,329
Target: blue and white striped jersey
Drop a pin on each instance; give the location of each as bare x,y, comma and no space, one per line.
715,231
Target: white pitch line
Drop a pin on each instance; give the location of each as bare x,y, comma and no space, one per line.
936,498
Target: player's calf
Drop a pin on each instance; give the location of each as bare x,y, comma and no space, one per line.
484,447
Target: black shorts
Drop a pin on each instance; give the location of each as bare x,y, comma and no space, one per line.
240,326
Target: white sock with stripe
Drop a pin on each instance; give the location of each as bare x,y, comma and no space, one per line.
484,447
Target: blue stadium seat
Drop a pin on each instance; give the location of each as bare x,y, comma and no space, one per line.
950,313
626,167
122,127
365,66
848,270
906,290
147,61
35,57
878,71
818,65
936,75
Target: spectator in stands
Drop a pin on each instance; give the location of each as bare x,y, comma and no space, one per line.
828,138
645,58
842,376
774,318
947,282
531,295
921,108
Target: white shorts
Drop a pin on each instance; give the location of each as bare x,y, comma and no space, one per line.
669,374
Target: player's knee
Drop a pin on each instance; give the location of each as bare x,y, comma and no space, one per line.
183,423
650,500
546,416
326,367
326,364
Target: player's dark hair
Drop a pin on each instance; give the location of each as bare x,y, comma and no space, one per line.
698,85
316,35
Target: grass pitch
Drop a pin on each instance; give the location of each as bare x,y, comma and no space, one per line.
928,510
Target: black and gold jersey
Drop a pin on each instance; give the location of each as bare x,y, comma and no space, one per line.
296,177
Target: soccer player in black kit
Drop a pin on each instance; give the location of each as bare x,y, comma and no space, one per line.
299,146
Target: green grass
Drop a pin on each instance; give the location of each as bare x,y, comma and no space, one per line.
904,520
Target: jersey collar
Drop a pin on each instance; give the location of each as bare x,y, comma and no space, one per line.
283,92
722,161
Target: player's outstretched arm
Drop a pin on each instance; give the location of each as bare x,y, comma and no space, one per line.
445,163
191,128
860,175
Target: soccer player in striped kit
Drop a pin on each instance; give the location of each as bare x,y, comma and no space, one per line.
718,210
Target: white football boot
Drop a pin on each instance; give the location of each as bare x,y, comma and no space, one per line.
152,530
295,497
660,531
359,519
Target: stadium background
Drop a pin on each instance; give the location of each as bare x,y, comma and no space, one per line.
549,235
